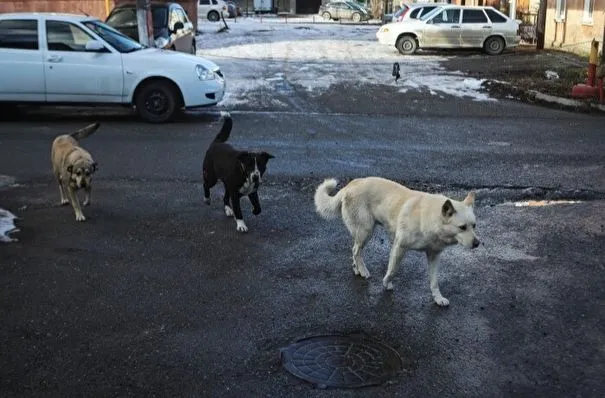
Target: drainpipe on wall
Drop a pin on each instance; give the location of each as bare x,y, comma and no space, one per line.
512,11
541,25
564,35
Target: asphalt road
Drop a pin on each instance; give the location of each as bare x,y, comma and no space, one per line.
158,295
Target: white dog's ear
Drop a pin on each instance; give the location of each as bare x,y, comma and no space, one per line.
470,199
447,210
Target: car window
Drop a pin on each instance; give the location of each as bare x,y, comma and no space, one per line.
204,2
474,16
20,34
426,10
414,14
428,15
117,40
65,36
214,2
494,16
448,16
126,17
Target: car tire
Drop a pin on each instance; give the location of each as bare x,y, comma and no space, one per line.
326,16
157,101
213,16
407,45
356,17
494,45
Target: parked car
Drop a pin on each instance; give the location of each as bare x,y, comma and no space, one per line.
453,26
340,9
234,9
415,11
69,59
392,17
172,29
212,10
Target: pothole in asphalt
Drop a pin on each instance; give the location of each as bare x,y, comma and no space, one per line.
341,361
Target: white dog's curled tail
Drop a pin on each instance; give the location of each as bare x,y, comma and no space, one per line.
328,206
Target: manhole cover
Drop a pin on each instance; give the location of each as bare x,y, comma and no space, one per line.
341,361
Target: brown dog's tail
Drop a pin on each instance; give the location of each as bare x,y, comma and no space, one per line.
223,135
86,131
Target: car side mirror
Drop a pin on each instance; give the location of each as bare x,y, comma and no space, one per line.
95,46
178,26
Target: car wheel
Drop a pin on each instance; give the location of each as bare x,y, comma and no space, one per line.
157,102
326,16
407,45
213,16
356,17
494,45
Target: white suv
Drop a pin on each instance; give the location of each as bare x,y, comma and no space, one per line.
212,9
74,59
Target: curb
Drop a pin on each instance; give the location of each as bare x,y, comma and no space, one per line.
498,88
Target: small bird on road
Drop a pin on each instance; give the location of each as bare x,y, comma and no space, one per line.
396,71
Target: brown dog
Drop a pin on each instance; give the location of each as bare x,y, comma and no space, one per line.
73,167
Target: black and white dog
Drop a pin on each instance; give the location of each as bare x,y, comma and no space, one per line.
240,171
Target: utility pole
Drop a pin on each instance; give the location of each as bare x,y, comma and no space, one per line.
541,25
145,22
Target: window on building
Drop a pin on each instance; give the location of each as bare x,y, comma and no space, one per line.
560,6
588,10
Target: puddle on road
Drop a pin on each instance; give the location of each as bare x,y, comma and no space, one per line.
542,203
7,226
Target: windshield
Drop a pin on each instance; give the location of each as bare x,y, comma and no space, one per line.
430,14
126,17
356,6
117,40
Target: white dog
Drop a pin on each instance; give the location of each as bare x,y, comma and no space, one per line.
415,221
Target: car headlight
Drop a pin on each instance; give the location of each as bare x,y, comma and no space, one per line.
384,30
204,73
161,42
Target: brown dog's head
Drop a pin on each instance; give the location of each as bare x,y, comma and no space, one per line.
80,174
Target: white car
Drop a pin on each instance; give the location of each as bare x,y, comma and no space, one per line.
73,59
212,10
452,26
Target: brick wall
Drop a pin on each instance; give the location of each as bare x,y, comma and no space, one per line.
573,33
95,8
91,7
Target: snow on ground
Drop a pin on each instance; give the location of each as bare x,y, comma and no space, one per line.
269,54
7,226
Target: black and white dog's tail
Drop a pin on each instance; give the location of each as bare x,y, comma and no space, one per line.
328,206
223,135
86,131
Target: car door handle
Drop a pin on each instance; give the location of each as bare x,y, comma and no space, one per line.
55,58
487,27
455,27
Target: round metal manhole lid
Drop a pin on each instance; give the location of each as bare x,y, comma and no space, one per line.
341,361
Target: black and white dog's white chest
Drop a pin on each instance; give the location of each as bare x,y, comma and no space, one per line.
248,187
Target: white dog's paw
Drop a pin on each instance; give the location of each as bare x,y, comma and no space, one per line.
229,212
241,226
387,285
441,301
64,202
80,217
86,202
364,273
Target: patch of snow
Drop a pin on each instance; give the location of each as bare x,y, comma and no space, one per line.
7,226
551,75
273,56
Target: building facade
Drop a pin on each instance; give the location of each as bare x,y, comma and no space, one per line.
572,24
